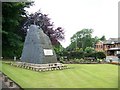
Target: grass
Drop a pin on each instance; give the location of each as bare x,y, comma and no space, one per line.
79,76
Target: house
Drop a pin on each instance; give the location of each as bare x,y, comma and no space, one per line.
110,46
99,46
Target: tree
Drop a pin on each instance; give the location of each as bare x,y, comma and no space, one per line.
83,38
12,16
43,21
71,47
100,55
95,40
89,49
103,38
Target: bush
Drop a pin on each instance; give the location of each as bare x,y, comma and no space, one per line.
100,55
80,55
77,55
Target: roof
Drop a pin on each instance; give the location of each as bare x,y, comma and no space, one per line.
112,41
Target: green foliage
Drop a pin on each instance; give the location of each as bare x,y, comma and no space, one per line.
97,55
103,38
58,49
77,55
82,39
71,47
100,55
89,52
12,17
89,49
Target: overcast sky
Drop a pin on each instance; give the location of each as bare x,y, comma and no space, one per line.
75,15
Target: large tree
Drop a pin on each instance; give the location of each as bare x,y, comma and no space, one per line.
83,38
12,16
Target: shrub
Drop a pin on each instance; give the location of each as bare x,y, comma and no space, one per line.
100,55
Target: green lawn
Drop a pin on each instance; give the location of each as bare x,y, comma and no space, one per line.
78,76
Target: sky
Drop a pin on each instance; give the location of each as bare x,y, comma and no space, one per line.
75,15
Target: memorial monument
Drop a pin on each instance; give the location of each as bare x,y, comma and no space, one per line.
37,47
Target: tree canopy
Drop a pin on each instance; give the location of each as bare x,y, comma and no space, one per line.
12,16
103,38
83,39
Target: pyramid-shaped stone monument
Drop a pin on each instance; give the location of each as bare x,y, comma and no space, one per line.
37,47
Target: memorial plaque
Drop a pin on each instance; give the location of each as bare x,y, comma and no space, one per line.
48,52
